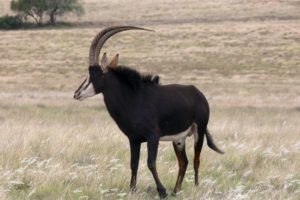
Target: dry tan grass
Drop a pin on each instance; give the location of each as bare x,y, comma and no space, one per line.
244,55
69,150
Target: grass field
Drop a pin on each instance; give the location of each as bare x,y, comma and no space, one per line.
244,56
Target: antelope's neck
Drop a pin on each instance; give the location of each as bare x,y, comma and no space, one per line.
119,99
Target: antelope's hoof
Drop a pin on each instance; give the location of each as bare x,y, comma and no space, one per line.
163,195
176,192
133,189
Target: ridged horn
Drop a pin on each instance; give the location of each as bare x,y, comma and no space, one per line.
101,38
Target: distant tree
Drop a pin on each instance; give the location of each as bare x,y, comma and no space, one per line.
60,7
31,8
37,9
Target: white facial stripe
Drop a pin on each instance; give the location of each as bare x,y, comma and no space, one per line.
85,83
86,90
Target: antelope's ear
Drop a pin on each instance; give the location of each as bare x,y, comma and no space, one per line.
114,62
104,61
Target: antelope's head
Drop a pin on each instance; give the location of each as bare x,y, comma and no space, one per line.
94,82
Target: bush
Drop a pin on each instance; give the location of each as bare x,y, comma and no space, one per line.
10,22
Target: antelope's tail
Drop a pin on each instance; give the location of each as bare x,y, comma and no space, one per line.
210,142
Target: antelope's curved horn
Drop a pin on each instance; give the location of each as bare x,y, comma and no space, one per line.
101,38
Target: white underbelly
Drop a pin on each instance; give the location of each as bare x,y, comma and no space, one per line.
179,136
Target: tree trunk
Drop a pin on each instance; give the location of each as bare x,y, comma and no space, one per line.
52,15
38,17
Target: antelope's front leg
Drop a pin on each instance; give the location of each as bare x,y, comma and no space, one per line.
134,162
152,146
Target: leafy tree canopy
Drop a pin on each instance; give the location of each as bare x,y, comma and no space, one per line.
37,9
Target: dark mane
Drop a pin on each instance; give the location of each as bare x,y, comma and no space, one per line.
133,78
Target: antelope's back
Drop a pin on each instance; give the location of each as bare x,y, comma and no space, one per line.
176,106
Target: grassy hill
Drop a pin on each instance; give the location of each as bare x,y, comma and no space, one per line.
244,56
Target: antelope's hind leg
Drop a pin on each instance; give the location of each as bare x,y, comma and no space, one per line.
179,148
199,136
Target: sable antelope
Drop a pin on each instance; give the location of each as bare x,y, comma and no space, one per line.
147,111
